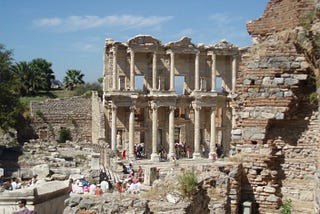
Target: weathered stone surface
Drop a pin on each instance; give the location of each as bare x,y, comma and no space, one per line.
173,198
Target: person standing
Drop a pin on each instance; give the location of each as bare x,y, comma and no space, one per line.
188,151
22,207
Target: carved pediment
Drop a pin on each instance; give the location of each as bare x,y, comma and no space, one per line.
184,45
224,44
143,40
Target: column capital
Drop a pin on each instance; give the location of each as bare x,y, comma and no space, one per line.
154,106
132,108
196,106
172,108
170,52
130,50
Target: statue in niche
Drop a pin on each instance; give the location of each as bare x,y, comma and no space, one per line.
119,140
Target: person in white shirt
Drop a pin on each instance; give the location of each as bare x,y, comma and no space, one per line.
92,188
104,185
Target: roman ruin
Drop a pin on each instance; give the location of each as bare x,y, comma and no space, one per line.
259,103
160,95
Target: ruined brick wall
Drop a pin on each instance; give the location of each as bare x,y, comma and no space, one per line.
51,115
273,113
280,15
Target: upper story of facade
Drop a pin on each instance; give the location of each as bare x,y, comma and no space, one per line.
144,66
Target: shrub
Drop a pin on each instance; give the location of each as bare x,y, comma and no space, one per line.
286,207
313,98
188,183
64,135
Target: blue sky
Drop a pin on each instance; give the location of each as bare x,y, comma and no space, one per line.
71,33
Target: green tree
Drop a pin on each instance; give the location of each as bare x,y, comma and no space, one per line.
33,76
23,77
43,74
10,107
73,79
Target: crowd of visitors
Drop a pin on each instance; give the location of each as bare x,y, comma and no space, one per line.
130,182
10,184
184,151
82,186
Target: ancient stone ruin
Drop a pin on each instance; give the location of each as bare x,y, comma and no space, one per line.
177,93
257,104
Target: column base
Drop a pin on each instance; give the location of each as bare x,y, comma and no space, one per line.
171,156
196,155
155,157
131,157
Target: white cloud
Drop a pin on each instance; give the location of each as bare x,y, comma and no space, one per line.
223,19
76,23
48,22
91,44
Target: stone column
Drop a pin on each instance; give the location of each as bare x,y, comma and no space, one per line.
154,71
172,151
172,86
114,128
132,65
154,155
213,71
114,70
196,154
197,75
212,133
234,74
131,133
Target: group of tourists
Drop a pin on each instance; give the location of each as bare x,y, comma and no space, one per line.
82,186
132,179
184,151
138,149
14,183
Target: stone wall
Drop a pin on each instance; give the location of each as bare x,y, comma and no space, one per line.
280,15
44,198
98,119
51,115
275,133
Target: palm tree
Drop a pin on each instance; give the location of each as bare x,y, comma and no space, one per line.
33,76
42,70
23,75
73,79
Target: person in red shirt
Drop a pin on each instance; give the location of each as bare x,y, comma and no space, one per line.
98,190
188,151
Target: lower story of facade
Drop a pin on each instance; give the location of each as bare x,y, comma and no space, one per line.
168,125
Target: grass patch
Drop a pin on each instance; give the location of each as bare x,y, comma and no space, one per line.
188,183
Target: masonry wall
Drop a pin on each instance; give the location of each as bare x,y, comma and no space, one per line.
51,115
98,119
45,198
280,15
275,133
